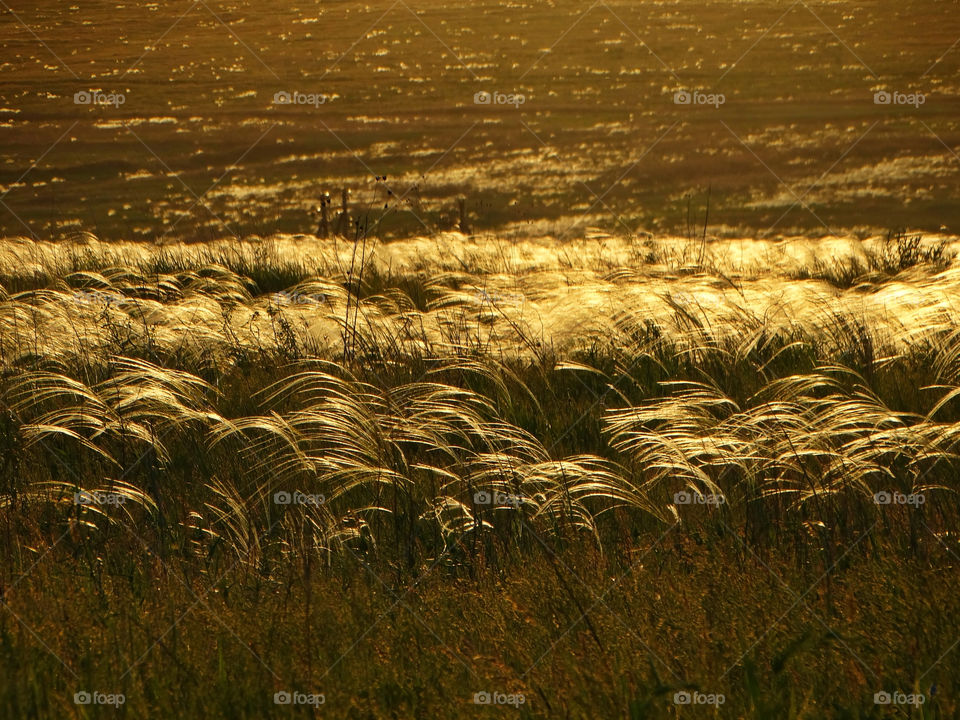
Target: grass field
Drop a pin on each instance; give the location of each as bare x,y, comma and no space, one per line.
592,479
596,404
199,150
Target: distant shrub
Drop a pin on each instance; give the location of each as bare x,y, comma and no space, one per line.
896,253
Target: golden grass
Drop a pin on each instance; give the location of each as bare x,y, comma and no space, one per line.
514,296
116,350
264,414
